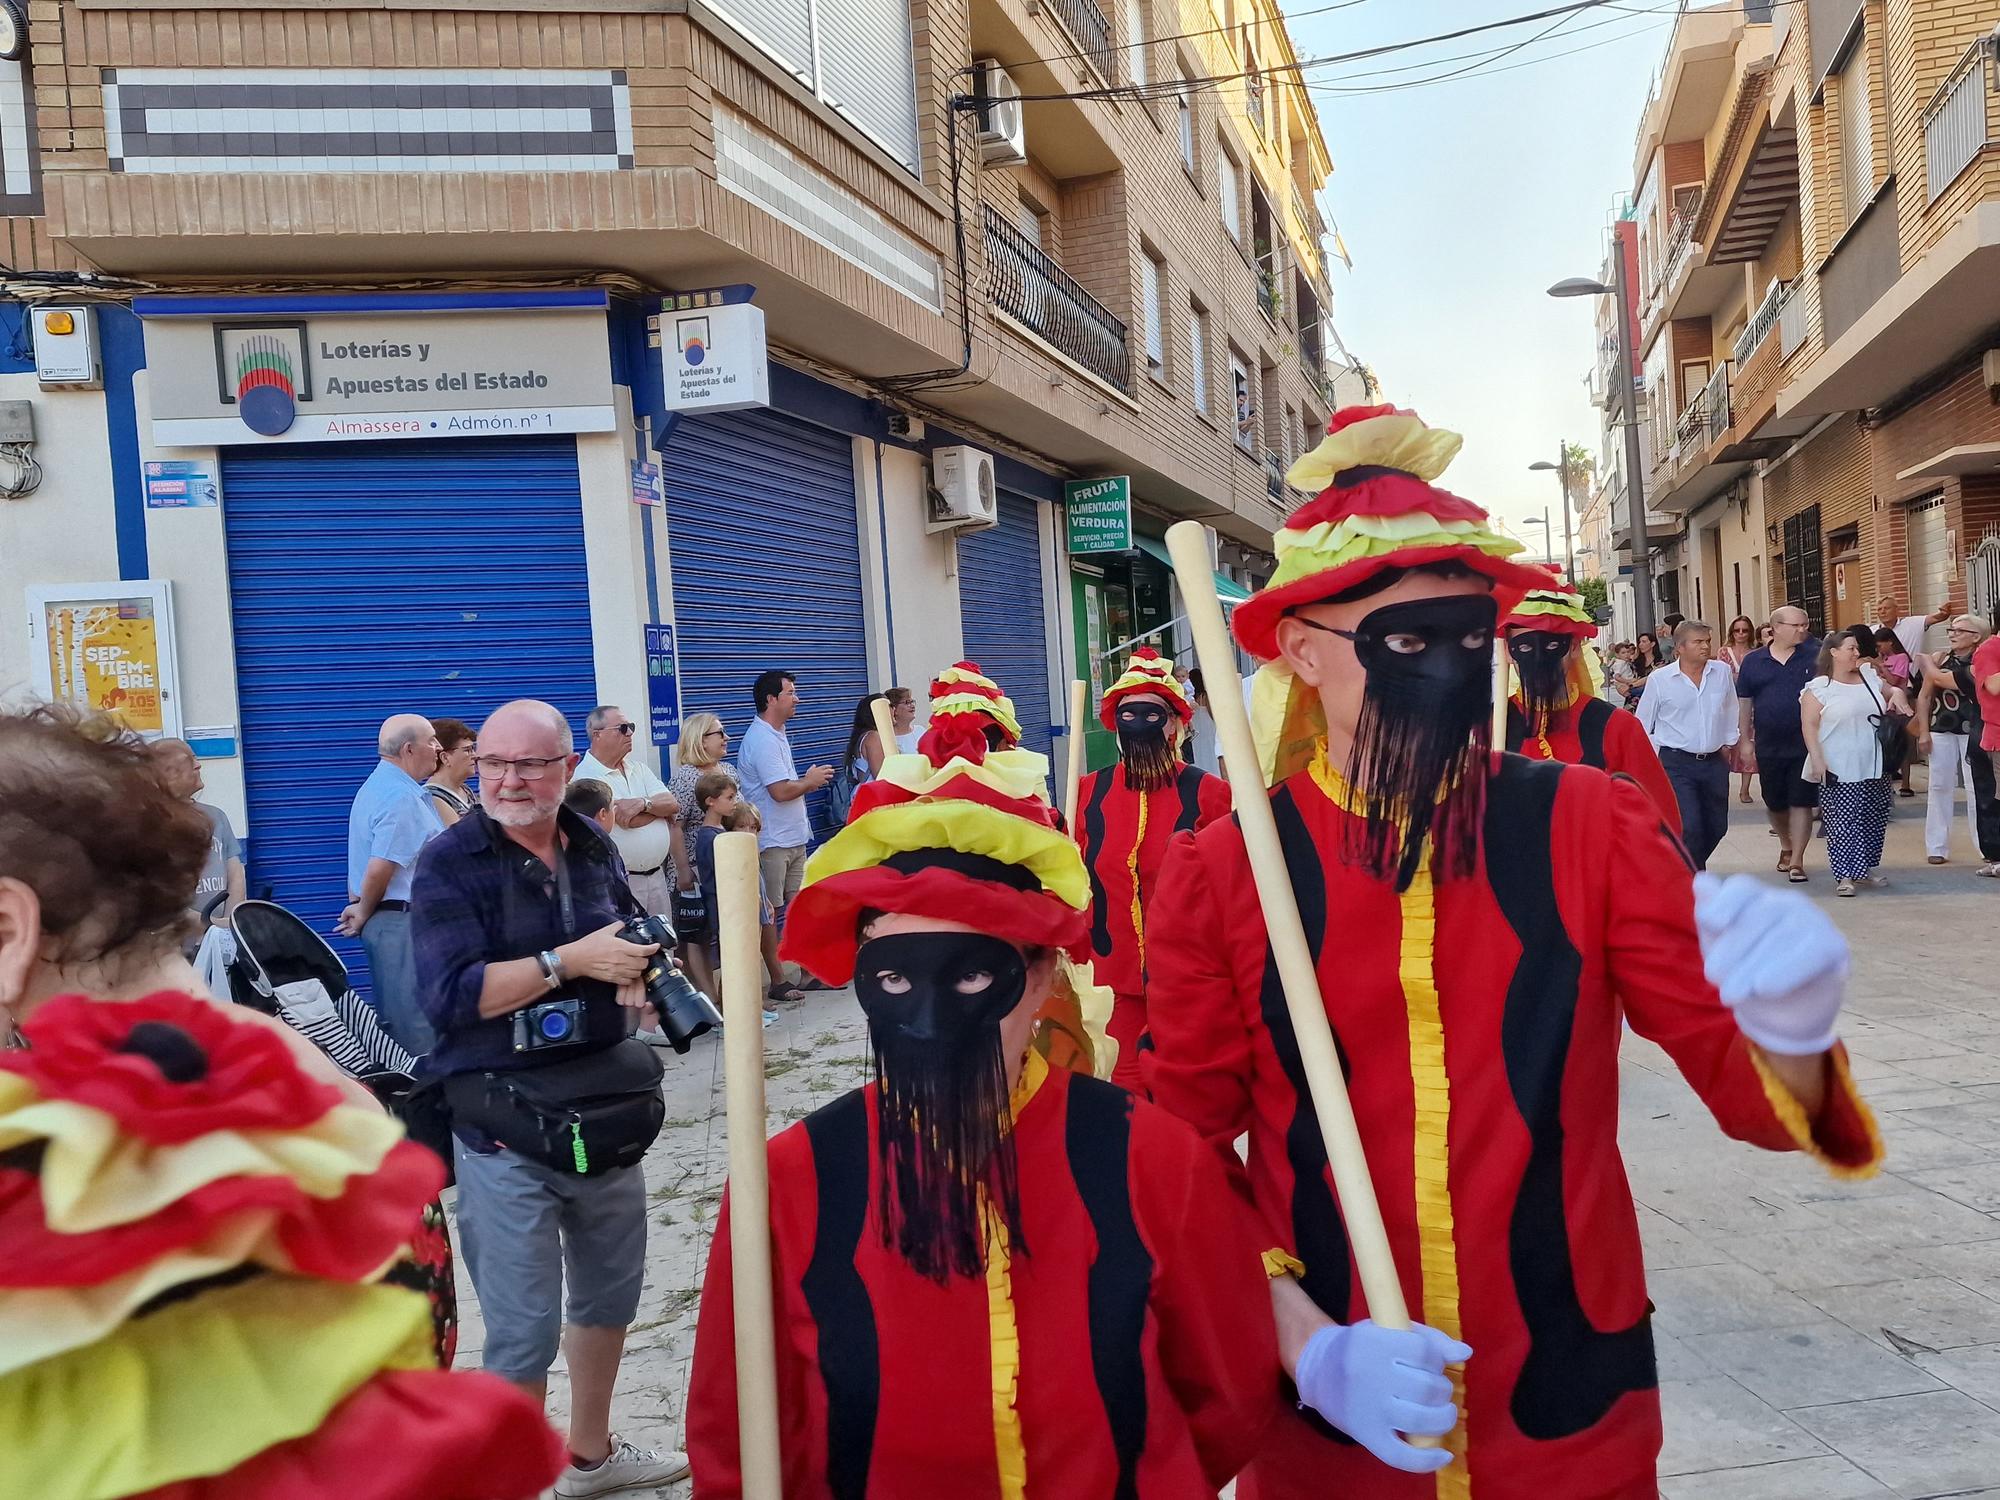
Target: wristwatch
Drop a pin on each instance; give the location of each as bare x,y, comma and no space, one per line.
552,970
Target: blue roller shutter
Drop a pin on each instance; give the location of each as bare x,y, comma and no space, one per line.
370,579
1000,599
767,574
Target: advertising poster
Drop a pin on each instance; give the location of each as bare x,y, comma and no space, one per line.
663,685
104,656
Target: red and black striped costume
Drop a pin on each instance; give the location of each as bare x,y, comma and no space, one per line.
1478,1022
1125,834
1145,1354
1590,732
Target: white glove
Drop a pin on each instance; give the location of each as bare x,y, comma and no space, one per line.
1777,959
1375,1383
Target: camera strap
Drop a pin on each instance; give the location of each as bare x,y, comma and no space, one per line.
563,894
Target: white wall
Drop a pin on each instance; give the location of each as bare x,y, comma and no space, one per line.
615,563
909,577
64,532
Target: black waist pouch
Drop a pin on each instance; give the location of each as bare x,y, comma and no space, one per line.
583,1115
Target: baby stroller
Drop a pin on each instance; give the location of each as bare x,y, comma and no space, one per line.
285,969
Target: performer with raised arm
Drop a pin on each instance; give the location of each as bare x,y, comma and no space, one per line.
1481,928
1127,814
992,1277
1556,712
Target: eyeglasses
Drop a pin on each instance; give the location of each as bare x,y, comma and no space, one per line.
530,768
623,728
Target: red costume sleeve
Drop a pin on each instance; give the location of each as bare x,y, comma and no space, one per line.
1201,990
713,1442
1655,965
1216,803
1627,749
1218,1342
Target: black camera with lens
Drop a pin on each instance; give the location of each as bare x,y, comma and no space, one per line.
684,1011
553,1023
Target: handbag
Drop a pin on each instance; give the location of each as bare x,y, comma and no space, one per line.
583,1115
1889,735
691,915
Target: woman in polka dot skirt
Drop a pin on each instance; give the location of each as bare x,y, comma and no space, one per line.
1838,711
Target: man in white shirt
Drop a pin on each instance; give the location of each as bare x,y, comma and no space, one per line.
1689,712
643,821
1909,629
774,786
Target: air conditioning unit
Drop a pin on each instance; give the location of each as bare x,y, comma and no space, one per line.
1003,133
962,494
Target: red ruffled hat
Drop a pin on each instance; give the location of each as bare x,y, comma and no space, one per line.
1554,609
965,703
1146,672
199,1240
967,837
1376,508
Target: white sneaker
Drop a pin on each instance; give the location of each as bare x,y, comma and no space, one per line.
626,1468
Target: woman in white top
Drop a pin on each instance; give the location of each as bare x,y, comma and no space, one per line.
702,745
1838,711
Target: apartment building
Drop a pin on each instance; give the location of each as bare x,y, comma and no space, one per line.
1816,223
416,354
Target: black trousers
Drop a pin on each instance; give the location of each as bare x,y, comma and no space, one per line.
1985,799
1701,787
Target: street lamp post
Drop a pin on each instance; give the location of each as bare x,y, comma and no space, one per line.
1548,536
1561,467
1635,484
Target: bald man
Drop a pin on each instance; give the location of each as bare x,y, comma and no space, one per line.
390,822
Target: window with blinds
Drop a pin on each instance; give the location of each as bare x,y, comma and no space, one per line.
1198,358
856,55
1156,337
1226,192
1857,148
1137,69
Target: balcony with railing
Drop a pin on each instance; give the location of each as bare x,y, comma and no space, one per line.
1680,243
1038,294
1758,328
1956,121
1085,22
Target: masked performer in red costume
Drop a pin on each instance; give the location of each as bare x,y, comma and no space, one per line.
1556,713
1128,814
1482,926
993,1278
198,1294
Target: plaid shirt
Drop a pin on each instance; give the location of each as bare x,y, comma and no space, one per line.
480,898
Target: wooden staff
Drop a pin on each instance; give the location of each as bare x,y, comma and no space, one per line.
885,724
1079,705
1373,1261
739,919
1501,684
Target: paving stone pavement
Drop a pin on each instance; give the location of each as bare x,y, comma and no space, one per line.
1819,1340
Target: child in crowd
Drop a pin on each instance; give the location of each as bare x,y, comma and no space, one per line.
591,799
723,810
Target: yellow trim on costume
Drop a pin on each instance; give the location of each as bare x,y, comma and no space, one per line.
1559,606
1071,1027
1332,544
1394,440
199,1386
1287,721
955,823
1792,1115
1010,1451
1034,1073
1132,869
1431,1141
1278,1263
95,1175
1020,774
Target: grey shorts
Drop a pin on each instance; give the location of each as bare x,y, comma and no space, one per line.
525,1230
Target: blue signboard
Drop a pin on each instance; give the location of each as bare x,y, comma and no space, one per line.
663,685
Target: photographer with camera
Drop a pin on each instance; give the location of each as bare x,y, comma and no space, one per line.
523,928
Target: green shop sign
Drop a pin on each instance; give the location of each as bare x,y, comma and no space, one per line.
1100,514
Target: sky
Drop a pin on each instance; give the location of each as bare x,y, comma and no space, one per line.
1461,202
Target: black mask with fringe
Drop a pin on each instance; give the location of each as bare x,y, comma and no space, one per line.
1541,657
944,1140
1145,745
1418,765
